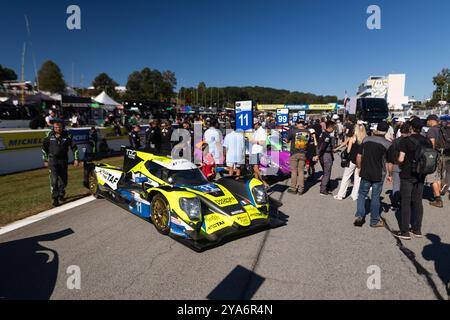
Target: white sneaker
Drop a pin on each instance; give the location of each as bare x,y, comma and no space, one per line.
338,198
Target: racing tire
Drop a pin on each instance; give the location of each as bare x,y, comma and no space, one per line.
161,214
93,185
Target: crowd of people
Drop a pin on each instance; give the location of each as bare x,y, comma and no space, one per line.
401,153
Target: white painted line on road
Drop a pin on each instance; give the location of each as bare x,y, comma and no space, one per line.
44,215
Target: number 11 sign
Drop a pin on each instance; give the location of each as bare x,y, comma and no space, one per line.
244,115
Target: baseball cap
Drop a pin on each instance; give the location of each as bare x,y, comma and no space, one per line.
383,127
360,122
433,117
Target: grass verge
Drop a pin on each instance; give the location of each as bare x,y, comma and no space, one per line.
28,193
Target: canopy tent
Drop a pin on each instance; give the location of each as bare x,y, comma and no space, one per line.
107,102
39,99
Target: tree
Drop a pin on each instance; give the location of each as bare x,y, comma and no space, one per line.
7,74
51,78
104,83
442,83
151,84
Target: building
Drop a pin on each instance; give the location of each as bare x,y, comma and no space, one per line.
391,88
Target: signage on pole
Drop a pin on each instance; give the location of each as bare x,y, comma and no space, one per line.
302,115
282,117
244,115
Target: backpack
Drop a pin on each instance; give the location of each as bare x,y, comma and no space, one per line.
425,160
445,139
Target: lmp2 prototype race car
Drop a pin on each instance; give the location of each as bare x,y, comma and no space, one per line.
176,197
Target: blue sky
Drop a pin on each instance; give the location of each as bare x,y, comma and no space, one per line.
316,46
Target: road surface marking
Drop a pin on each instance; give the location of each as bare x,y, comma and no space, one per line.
44,215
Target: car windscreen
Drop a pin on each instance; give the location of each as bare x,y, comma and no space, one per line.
193,177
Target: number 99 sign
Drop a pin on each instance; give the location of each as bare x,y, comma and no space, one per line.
282,117
244,115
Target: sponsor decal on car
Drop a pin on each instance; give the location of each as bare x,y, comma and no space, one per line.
131,154
225,201
207,188
216,225
110,177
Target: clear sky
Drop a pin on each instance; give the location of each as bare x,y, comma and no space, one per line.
315,46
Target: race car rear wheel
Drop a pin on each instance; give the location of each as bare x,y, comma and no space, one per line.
93,185
161,214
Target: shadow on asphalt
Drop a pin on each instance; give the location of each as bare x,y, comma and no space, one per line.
28,269
439,252
239,284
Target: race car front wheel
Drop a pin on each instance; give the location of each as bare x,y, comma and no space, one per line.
160,214
93,185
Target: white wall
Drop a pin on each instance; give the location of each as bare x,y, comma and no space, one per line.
396,92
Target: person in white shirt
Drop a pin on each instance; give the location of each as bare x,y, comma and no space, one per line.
50,118
213,138
234,144
258,141
74,120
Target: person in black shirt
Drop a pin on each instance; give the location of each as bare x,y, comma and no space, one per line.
166,139
394,152
55,150
411,185
134,138
325,155
371,160
153,138
299,138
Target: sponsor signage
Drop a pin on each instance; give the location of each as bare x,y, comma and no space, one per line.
295,107
323,107
269,107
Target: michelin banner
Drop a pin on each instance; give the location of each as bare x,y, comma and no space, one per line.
21,150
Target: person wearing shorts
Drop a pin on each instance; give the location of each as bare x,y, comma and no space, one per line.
234,144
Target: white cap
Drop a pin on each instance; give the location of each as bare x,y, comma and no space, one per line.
361,122
335,117
312,131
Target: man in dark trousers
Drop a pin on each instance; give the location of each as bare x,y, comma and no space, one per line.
325,155
411,183
135,138
153,137
55,155
166,139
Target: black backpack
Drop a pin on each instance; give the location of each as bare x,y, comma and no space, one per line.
445,139
425,160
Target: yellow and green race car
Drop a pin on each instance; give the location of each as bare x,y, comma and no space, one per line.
177,198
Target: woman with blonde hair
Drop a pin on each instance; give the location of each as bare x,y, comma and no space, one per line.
353,145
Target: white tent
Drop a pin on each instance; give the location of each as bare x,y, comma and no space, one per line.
107,102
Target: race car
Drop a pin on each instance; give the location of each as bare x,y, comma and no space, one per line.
177,198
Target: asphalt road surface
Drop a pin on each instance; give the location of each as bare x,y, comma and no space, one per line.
318,254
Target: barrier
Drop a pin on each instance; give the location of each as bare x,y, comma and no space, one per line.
21,150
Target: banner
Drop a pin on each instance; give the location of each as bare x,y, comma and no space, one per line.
323,107
269,107
21,140
295,107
